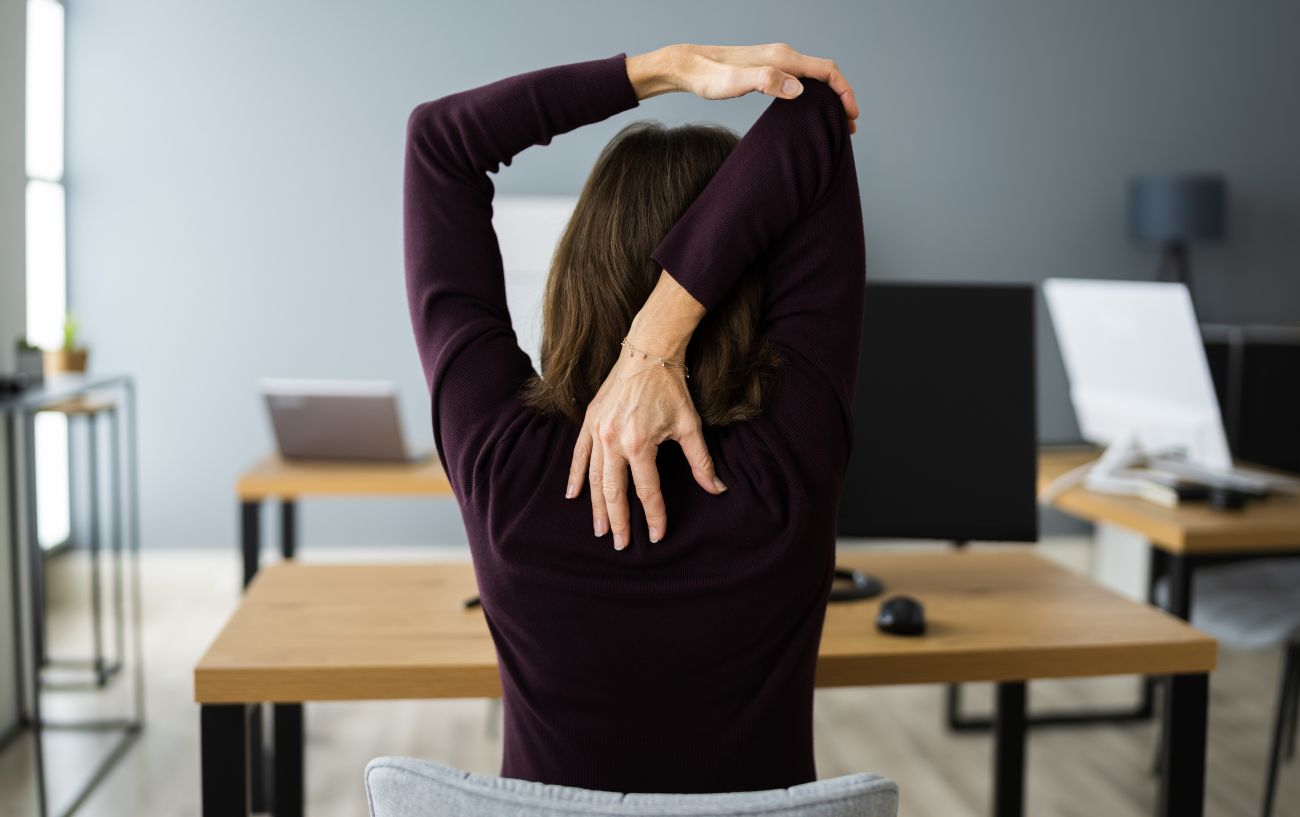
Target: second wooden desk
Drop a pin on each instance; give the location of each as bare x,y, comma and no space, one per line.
288,481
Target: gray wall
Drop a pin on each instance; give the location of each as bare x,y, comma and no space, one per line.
13,181
234,174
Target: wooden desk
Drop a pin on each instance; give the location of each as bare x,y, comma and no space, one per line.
1197,529
288,481
1181,538
324,632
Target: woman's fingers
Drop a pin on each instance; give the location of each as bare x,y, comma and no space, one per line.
691,439
787,59
578,465
596,477
614,488
826,71
645,479
767,79
775,70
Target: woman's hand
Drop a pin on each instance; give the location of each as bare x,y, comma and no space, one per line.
725,71
640,405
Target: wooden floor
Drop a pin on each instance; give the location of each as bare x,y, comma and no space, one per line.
897,731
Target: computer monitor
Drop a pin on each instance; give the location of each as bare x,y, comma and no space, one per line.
945,422
1135,360
1256,373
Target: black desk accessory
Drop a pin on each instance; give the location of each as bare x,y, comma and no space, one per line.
861,586
901,615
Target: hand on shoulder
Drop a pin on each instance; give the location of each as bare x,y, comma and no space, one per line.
728,71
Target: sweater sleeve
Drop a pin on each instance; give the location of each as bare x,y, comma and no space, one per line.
785,205
454,277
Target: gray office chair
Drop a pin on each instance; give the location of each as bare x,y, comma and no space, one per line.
1252,606
405,787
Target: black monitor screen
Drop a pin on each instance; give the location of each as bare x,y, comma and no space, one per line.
945,434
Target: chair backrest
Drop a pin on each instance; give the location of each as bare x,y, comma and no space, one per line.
406,787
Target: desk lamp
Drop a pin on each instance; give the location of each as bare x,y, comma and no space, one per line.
1175,211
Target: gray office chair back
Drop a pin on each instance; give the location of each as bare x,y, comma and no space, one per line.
405,787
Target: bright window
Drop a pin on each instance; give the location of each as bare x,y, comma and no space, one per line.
47,296
47,271
45,89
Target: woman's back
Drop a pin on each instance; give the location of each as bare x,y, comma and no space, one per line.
683,665
686,664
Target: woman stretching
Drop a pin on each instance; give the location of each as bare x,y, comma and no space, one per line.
707,291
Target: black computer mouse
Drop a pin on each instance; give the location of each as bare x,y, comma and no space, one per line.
901,615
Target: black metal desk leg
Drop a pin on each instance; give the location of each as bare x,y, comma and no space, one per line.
1009,750
1293,726
1283,724
15,564
956,723
259,780
36,589
250,537
132,445
92,537
1180,585
36,555
223,737
1157,568
288,750
1182,779
288,528
250,517
118,522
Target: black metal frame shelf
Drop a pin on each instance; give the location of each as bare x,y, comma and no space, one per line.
28,558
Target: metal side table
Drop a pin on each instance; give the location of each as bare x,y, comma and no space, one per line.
28,566
92,411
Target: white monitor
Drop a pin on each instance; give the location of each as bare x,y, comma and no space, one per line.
1139,378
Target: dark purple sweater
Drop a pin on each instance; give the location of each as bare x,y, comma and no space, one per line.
686,665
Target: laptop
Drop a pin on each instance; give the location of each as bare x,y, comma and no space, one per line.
338,420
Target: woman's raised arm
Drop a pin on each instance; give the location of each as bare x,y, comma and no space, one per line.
778,173
454,278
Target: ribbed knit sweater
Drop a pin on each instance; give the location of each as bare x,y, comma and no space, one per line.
685,665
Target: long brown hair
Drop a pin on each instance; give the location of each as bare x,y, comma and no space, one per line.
602,273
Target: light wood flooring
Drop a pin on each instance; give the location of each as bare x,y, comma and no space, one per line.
896,731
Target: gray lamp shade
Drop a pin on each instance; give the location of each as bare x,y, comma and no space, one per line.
1177,209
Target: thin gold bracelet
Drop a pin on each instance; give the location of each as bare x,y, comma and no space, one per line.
632,351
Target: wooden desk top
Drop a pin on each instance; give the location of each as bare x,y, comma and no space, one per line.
1192,529
279,478
345,632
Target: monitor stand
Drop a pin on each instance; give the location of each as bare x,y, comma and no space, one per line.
1110,473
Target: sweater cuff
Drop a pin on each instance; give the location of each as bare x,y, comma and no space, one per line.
689,253
606,83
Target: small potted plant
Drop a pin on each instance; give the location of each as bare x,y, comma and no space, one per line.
70,358
27,361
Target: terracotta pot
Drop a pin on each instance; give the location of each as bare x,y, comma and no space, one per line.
65,361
